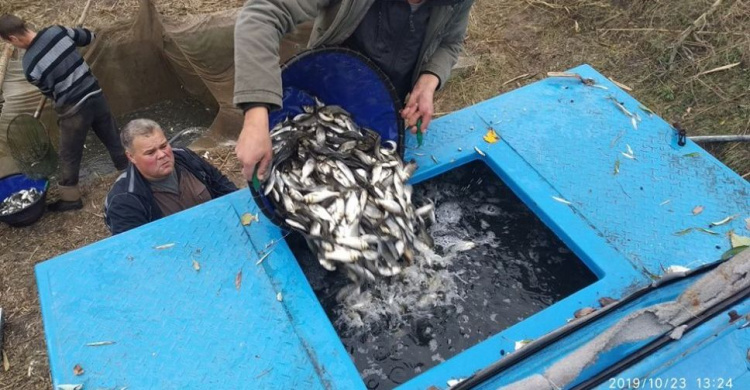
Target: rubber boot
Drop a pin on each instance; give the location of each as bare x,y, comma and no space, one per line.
70,199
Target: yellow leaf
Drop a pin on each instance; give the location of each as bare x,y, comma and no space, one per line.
6,363
248,218
697,210
738,241
491,137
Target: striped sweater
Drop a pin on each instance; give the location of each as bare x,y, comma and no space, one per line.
53,65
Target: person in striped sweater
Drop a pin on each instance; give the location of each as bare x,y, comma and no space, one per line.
52,63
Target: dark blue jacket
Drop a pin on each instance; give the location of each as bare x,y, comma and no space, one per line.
130,203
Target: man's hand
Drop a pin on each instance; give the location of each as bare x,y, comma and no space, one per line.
254,143
420,103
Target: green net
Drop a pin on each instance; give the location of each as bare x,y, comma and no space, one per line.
31,147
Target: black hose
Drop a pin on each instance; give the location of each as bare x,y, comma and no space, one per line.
550,338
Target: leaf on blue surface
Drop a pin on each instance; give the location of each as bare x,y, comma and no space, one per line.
738,241
733,252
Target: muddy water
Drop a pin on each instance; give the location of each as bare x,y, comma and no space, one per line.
495,264
174,116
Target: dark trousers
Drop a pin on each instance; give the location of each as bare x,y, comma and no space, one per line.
95,114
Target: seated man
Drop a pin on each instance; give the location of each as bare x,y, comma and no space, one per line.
159,180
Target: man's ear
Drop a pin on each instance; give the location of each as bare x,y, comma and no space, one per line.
129,156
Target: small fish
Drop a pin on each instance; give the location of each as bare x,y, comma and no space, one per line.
648,110
561,200
165,246
279,297
617,166
196,266
723,221
100,343
481,153
435,160
683,232
317,197
707,231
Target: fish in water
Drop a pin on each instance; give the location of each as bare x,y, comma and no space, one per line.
19,200
347,193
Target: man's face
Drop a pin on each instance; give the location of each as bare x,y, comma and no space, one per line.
152,155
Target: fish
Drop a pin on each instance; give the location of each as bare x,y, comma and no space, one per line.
19,200
347,192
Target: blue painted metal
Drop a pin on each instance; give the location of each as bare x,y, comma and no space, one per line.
178,328
560,138
715,355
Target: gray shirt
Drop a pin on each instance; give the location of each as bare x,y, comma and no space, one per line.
169,184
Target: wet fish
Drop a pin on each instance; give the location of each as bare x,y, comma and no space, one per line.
332,181
19,200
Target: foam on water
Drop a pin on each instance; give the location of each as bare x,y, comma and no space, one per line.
493,264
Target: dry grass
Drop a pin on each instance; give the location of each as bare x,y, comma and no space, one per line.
630,41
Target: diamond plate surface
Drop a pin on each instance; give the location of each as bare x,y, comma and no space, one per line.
174,327
562,139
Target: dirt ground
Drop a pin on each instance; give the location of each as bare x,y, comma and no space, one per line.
702,81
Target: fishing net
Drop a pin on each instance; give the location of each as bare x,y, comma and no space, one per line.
31,147
146,60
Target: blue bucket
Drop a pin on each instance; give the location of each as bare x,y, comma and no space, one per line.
31,214
342,77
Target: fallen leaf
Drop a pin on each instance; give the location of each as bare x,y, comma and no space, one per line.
617,166
77,370
697,210
576,26
630,156
279,297
683,232
648,110
723,221
100,343
6,363
694,154
733,252
165,246
738,241
665,202
630,150
238,280
711,232
248,218
634,123
561,200
491,137
196,265
522,343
